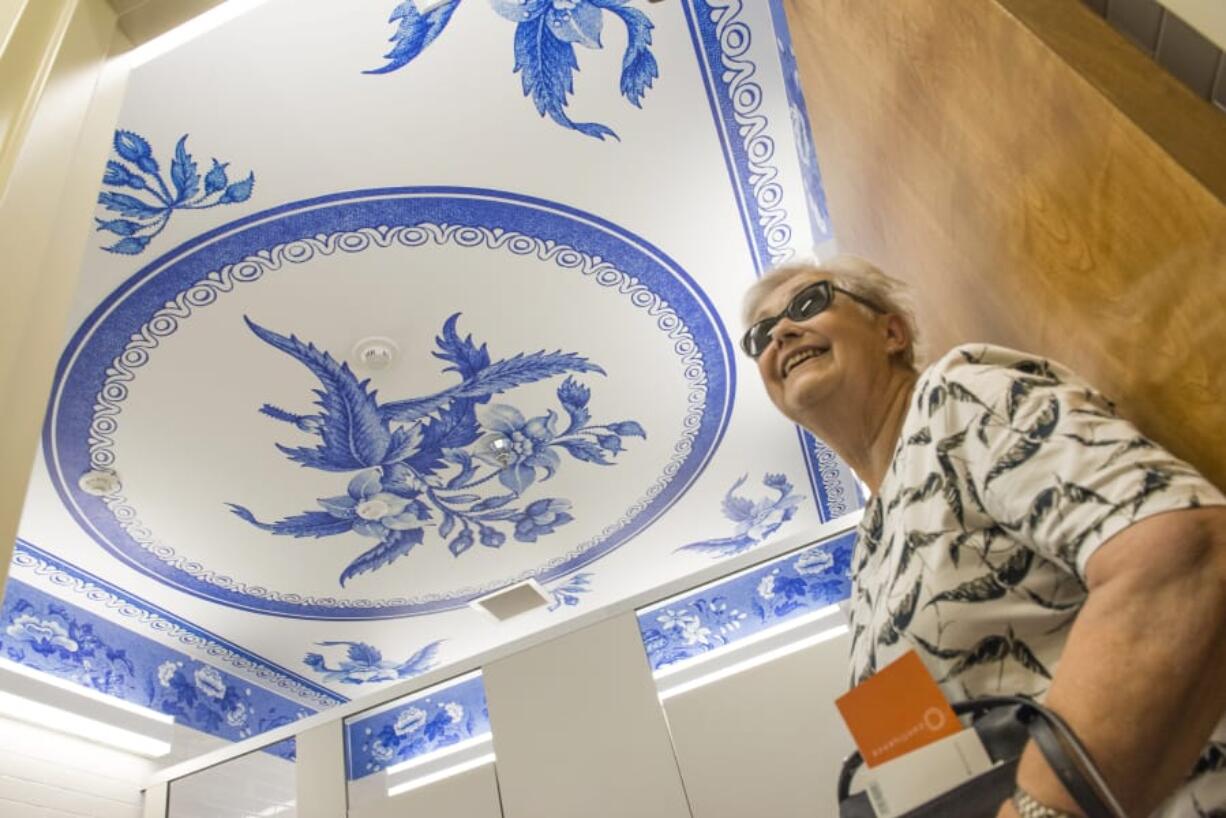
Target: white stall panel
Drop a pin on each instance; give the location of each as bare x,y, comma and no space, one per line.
579,731
767,740
471,794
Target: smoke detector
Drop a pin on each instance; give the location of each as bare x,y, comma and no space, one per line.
374,354
99,483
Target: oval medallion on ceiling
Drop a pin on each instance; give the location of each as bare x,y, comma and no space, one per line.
552,385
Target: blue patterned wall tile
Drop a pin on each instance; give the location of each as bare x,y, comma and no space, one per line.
70,582
422,723
730,610
51,636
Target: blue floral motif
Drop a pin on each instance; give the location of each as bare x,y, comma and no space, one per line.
64,646
207,699
567,593
48,636
755,521
422,724
364,664
546,33
136,169
765,596
418,462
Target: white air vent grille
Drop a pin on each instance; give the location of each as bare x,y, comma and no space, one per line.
513,600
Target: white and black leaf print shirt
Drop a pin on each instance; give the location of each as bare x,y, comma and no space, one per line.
1009,473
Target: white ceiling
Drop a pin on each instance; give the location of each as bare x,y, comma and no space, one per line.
316,204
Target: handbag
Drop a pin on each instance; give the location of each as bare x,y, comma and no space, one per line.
1004,724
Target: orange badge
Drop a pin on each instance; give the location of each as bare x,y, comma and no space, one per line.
897,710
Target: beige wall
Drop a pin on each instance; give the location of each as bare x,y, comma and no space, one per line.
44,218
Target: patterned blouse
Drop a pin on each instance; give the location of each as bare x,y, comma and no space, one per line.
1009,474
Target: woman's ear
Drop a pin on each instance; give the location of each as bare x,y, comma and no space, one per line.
897,335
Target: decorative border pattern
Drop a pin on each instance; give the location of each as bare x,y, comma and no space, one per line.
103,355
45,633
426,721
767,595
721,40
96,591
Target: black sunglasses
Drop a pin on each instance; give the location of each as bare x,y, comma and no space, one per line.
804,305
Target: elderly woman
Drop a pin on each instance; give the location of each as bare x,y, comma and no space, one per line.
1021,537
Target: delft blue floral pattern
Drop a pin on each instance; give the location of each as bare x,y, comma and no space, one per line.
145,212
546,33
425,462
363,663
742,605
53,637
755,520
567,593
422,724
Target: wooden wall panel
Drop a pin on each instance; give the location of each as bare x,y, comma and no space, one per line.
964,155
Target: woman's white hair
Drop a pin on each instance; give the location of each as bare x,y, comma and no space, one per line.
851,273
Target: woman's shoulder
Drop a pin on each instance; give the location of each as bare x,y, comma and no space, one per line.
978,361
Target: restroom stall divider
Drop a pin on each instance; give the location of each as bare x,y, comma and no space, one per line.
578,729
578,726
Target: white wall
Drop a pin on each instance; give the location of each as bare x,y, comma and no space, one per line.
49,775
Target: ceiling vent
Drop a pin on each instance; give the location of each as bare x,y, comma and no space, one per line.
513,600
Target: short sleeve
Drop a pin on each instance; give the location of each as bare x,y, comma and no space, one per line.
1047,458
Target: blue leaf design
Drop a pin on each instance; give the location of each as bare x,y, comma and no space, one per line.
126,205
216,179
722,547
639,67
307,524
183,173
354,435
497,501
396,544
517,478
135,148
414,32
737,509
120,227
419,662
547,67
465,357
130,246
584,450
462,542
118,175
628,428
239,191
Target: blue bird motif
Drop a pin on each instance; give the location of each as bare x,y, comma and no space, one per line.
417,463
546,33
364,663
755,521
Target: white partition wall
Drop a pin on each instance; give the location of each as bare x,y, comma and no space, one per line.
578,729
470,794
767,740
321,772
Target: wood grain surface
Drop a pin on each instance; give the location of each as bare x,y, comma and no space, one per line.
963,154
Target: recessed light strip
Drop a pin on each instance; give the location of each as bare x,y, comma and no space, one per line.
754,661
434,778
62,721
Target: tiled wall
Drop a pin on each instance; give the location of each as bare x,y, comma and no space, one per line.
1179,48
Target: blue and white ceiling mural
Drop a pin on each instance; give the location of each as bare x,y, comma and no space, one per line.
369,330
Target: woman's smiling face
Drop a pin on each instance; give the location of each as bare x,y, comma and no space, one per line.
835,355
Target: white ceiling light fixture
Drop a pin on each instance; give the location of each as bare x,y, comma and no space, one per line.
375,354
99,483
46,701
